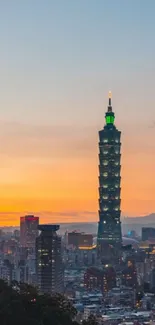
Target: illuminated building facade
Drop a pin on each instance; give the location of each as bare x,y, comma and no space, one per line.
49,268
78,239
109,227
81,257
28,231
100,279
129,274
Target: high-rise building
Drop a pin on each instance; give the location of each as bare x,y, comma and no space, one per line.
49,267
148,233
102,279
78,239
152,280
28,231
129,274
109,227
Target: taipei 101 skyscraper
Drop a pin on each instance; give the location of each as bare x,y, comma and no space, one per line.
109,227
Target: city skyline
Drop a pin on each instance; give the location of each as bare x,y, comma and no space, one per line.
57,64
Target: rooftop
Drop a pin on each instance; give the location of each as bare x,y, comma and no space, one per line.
48,227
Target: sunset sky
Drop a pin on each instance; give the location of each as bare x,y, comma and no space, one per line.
58,59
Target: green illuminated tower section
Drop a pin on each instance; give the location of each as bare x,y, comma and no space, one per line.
109,226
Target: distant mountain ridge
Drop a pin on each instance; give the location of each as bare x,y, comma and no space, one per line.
148,219
128,224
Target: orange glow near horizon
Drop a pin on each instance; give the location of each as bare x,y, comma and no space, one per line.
68,191
64,186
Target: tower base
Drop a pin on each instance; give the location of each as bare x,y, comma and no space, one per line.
109,253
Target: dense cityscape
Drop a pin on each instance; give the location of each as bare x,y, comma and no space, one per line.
107,274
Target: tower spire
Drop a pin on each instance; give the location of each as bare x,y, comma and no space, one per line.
110,97
109,116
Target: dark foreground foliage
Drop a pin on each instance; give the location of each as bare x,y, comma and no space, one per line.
91,321
20,304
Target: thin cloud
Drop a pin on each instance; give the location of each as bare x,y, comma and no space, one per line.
46,141
9,213
67,215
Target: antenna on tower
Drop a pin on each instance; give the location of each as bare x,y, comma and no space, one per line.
110,96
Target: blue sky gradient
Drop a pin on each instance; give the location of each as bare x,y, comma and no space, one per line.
59,58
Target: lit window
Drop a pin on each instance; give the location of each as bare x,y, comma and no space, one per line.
105,174
105,163
105,140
